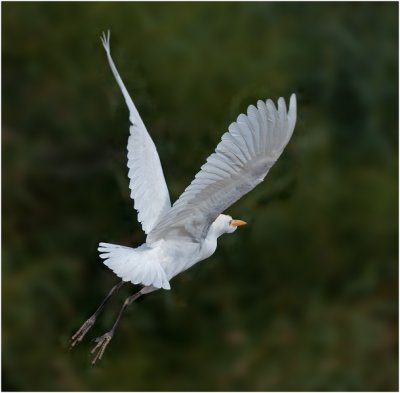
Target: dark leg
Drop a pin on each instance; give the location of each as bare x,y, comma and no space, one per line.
103,340
78,336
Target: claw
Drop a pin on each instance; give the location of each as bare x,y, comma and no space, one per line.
101,346
78,336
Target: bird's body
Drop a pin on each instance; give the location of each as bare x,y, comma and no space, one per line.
167,258
155,264
182,234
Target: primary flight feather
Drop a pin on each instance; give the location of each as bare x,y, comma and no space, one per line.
185,233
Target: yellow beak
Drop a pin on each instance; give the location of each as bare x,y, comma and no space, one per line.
238,223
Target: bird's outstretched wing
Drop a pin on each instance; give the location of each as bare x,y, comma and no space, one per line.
147,183
240,162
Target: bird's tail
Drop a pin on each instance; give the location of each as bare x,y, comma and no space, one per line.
137,265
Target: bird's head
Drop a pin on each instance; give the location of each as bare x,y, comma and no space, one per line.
225,224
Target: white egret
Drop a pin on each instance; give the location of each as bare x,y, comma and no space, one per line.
185,233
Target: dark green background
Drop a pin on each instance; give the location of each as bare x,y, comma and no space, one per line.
304,297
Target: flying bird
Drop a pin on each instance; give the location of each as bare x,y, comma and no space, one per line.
185,233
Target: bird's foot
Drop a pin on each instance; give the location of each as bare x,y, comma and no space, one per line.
78,336
101,346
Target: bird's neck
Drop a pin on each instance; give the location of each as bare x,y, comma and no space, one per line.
214,232
209,244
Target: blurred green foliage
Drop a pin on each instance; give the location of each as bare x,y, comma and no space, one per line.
303,298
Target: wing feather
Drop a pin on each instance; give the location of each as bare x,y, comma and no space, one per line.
241,161
147,183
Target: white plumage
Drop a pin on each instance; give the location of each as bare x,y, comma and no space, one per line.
146,176
135,264
186,233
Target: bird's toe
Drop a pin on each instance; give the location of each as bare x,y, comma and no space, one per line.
80,334
101,346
